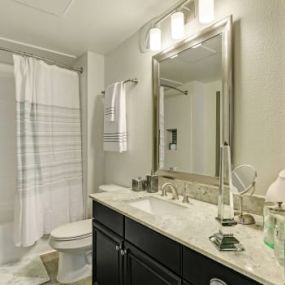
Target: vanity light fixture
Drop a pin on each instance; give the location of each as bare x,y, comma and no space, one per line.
177,25
153,33
155,39
150,39
206,11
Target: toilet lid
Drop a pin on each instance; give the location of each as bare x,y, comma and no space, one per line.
75,230
112,188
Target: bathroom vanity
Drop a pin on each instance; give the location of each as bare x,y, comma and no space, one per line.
141,238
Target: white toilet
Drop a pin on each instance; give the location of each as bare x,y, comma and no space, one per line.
73,241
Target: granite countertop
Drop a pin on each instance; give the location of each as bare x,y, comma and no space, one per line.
192,226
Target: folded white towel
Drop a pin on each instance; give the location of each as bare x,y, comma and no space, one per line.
112,92
115,132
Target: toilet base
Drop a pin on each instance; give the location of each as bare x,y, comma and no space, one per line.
73,267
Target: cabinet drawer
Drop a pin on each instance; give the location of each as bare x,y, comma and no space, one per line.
163,249
109,218
199,270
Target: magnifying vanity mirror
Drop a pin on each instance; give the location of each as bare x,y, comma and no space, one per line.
243,180
192,88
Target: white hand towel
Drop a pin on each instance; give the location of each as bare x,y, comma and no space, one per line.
112,92
115,132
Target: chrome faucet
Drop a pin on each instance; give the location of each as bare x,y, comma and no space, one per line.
169,186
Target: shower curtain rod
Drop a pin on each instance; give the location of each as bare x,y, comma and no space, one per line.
80,70
177,89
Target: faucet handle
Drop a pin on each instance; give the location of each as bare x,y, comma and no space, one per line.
185,194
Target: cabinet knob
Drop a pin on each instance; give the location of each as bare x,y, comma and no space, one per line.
118,247
123,252
216,281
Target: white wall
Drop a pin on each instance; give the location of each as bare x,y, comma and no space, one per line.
259,75
259,78
127,62
95,122
7,142
92,83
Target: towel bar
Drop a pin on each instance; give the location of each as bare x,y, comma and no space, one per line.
132,80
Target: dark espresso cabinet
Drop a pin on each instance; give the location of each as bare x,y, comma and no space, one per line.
107,258
127,253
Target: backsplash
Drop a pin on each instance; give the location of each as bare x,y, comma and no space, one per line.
209,194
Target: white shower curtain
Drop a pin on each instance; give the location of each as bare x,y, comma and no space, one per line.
49,160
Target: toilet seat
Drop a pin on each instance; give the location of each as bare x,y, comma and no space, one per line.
75,245
72,237
73,231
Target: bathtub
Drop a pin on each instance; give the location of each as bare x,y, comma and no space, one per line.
8,251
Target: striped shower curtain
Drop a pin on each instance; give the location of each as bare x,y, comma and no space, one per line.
49,159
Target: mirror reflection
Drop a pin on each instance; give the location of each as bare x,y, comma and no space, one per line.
189,109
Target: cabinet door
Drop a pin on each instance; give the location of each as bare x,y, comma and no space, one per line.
107,258
141,270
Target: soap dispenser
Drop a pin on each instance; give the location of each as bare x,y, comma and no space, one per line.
274,216
152,182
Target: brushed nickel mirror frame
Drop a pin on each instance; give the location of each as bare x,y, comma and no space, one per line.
224,28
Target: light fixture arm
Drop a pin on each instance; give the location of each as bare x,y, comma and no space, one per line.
154,23
171,10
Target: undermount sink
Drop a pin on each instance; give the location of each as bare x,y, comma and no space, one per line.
155,206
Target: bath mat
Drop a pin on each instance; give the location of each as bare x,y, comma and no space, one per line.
28,271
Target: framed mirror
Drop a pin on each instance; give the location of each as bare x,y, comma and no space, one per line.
192,91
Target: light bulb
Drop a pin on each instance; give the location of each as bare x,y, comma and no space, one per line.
177,25
206,11
155,39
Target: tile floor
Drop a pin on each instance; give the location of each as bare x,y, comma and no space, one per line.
50,260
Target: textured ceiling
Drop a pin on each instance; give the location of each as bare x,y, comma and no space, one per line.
96,25
54,7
